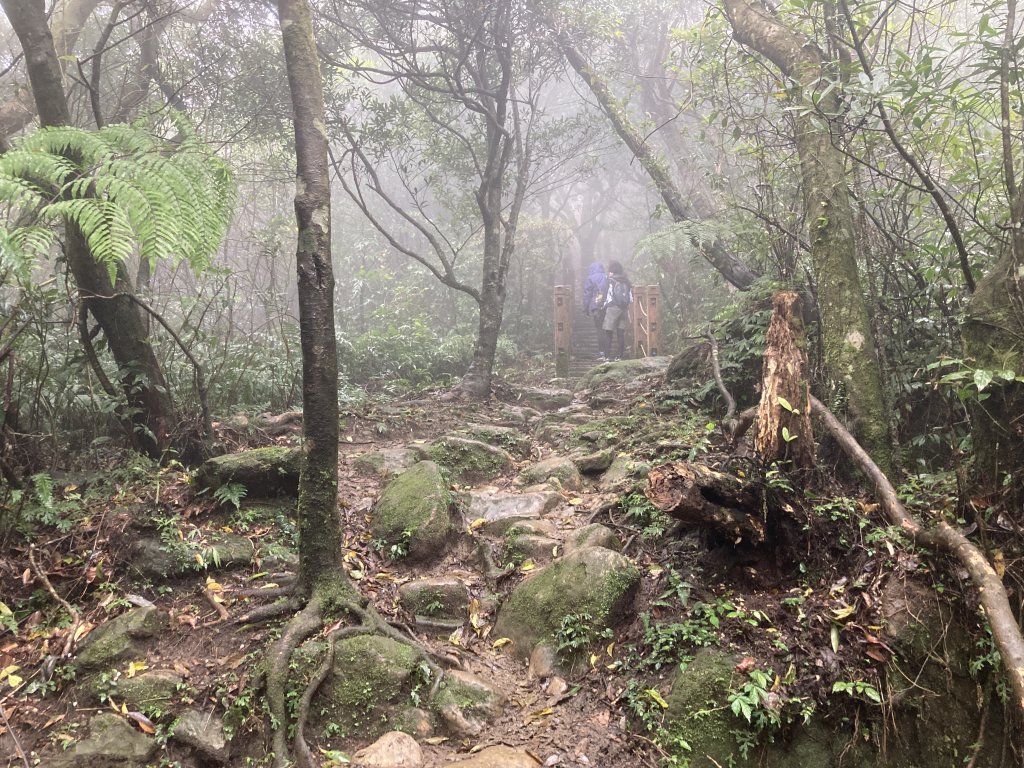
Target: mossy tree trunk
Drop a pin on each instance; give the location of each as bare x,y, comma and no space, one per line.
320,535
150,408
848,341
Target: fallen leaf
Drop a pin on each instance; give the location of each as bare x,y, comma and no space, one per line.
144,723
501,641
135,667
476,524
835,639
656,695
747,663
527,566
435,740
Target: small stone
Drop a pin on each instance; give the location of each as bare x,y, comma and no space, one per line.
557,686
392,750
467,703
559,467
595,462
543,661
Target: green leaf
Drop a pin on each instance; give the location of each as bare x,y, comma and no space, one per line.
785,404
982,378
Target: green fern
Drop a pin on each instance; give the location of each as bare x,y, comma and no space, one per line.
127,189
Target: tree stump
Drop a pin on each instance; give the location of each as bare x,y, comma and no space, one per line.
784,430
700,496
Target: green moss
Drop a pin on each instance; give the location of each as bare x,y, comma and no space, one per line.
415,508
263,471
469,461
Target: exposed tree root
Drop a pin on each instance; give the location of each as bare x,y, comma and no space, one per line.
329,599
270,611
942,537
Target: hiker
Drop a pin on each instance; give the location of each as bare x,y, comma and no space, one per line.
616,310
594,289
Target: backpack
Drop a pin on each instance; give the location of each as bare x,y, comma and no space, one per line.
621,296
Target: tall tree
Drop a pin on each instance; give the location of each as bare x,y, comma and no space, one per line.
469,71
110,301
847,336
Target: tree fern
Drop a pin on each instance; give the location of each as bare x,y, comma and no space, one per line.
127,189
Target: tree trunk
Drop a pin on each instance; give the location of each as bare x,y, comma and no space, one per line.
477,380
320,539
727,264
784,414
848,342
149,403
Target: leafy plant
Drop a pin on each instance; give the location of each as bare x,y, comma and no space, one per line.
858,689
230,493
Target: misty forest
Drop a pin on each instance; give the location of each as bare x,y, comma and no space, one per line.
511,383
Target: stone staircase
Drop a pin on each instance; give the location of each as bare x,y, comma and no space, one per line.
584,344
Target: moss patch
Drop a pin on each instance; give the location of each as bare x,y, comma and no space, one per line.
469,461
263,471
414,512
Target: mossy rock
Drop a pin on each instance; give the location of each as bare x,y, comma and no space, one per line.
156,690
593,463
387,462
124,637
544,398
467,703
559,467
593,535
152,558
414,512
440,597
470,461
521,546
272,471
506,438
623,370
591,581
112,741
369,688
624,470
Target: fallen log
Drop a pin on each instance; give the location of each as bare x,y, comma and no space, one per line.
702,497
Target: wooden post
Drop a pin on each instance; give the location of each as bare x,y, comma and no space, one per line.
563,329
646,311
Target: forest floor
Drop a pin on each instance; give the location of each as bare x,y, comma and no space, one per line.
805,611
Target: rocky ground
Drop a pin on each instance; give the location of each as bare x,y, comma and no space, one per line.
577,625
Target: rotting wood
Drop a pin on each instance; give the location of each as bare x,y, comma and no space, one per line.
784,430
700,496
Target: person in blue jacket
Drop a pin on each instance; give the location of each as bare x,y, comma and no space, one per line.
594,289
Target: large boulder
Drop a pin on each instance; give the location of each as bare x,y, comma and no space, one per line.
392,750
592,581
368,690
441,601
272,471
470,461
414,512
466,703
122,638
203,732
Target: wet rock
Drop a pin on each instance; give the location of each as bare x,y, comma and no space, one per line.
466,703
521,546
498,757
392,750
559,467
112,741
544,399
514,415
593,535
124,637
369,687
470,461
500,510
591,581
204,733
150,556
414,512
437,598
264,472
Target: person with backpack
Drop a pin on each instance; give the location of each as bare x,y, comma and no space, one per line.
594,289
616,310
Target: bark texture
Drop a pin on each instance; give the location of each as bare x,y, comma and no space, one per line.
149,403
785,433
699,496
319,525
847,337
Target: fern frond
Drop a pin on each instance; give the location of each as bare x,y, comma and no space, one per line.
123,186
